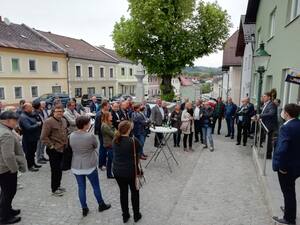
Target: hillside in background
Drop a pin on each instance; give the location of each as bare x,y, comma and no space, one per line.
201,71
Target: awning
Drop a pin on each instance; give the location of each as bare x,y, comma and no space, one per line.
293,76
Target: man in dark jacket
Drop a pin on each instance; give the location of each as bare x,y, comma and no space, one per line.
230,110
243,118
94,106
31,129
157,116
218,114
286,162
116,118
269,118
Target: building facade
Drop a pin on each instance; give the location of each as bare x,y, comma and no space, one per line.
30,66
277,25
90,71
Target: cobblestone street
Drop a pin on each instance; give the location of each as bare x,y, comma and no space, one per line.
207,188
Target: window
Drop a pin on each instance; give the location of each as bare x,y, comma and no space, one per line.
32,66
101,72
56,89
78,71
91,90
78,92
123,71
15,64
0,64
91,71
110,92
54,67
104,91
272,23
294,9
2,93
34,91
111,72
130,71
18,92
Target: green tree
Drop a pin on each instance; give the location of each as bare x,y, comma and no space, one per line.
169,35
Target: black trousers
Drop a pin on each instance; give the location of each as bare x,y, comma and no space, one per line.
124,183
158,136
8,185
242,131
270,144
177,137
29,148
219,120
198,129
185,137
287,184
55,159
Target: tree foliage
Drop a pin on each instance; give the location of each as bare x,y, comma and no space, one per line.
170,34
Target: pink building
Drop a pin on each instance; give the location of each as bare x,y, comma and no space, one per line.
153,87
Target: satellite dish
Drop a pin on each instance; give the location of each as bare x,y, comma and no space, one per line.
6,21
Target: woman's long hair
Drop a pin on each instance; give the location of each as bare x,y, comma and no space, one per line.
123,129
105,117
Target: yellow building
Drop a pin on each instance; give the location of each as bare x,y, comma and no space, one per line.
29,65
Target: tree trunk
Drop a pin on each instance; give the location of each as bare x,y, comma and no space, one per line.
167,92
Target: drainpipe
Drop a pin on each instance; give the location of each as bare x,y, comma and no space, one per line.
68,76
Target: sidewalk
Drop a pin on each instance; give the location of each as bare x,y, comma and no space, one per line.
271,188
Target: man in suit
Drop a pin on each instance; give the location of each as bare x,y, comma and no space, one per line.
286,162
116,119
197,121
124,111
269,118
218,115
94,106
230,110
243,118
157,116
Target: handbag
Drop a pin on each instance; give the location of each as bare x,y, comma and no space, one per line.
184,125
138,170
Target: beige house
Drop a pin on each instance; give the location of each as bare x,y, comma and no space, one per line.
90,70
126,69
30,66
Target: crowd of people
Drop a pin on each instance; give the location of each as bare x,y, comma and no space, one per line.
114,141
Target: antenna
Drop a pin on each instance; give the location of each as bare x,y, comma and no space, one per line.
6,21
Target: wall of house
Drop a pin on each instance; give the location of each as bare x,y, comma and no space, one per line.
235,74
247,71
43,78
84,81
284,46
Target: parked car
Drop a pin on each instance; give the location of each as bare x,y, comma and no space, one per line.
87,98
49,99
122,97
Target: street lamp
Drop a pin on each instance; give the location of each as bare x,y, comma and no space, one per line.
261,63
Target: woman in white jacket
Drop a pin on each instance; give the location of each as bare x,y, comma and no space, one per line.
187,126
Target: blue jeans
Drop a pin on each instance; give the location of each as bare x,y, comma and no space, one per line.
141,138
230,126
94,180
207,134
109,161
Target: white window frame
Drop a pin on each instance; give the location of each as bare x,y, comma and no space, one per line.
130,71
81,75
122,68
75,92
57,66
93,71
103,89
1,64
11,61
56,86
3,92
110,92
87,90
22,91
38,92
111,68
258,38
272,25
101,67
35,65
295,9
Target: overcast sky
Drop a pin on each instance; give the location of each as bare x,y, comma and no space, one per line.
93,20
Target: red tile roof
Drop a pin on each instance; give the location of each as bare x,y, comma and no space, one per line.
78,48
22,37
114,54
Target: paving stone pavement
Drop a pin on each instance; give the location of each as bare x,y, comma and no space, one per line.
207,188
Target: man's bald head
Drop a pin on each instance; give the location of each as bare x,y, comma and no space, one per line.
27,107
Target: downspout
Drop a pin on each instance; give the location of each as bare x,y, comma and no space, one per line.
68,76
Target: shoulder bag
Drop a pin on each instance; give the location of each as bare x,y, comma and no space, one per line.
138,170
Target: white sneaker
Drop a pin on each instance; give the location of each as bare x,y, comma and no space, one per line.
211,149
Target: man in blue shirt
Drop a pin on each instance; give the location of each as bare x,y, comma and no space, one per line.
230,110
286,161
